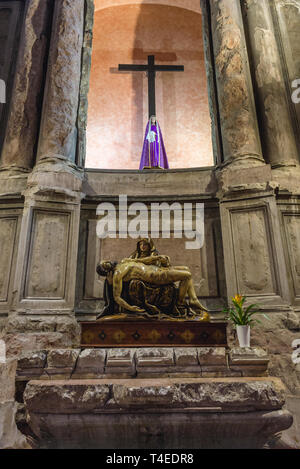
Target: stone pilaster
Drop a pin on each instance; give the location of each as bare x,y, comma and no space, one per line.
44,283
58,133
239,127
279,143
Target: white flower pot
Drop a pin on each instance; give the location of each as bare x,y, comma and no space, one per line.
243,333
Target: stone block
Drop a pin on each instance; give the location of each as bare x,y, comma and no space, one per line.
231,394
120,363
62,358
90,363
146,357
120,357
208,356
248,356
20,344
7,380
34,360
10,437
71,396
186,356
138,394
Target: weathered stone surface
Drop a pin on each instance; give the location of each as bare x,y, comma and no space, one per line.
138,394
7,380
283,367
25,333
62,358
292,436
227,394
181,413
65,396
159,430
91,361
33,360
10,437
279,141
239,126
85,82
212,356
22,343
23,123
186,356
154,356
58,126
248,356
120,357
292,321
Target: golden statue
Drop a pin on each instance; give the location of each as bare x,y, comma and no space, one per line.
144,284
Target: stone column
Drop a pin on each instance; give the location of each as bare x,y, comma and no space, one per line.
44,284
18,151
239,127
58,133
279,142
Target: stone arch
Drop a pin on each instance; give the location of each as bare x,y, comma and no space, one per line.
192,5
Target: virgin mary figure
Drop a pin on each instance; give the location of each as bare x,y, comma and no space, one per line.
154,153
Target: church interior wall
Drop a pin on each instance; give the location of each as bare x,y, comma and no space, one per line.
252,202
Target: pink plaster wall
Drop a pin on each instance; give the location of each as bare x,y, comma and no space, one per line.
118,102
193,5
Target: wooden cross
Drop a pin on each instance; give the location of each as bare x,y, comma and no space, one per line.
151,70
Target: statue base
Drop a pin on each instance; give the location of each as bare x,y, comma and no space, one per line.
107,333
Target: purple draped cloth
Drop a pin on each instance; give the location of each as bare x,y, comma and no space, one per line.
154,153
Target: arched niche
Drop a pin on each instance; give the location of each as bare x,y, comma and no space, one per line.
127,32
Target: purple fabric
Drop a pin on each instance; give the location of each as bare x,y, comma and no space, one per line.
155,155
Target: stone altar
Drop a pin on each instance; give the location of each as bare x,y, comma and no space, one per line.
193,397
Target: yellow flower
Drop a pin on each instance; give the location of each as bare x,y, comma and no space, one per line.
238,299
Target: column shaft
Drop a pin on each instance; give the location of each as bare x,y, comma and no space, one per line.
20,141
239,127
278,138
58,134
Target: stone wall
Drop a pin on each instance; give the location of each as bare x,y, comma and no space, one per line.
10,437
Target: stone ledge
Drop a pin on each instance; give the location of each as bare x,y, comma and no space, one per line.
228,394
130,362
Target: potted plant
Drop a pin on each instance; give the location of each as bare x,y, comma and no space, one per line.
242,318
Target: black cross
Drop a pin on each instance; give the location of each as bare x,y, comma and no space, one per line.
151,68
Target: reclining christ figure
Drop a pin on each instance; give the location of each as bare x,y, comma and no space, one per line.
150,289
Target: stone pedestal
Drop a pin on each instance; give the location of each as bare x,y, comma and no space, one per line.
253,248
156,413
45,272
